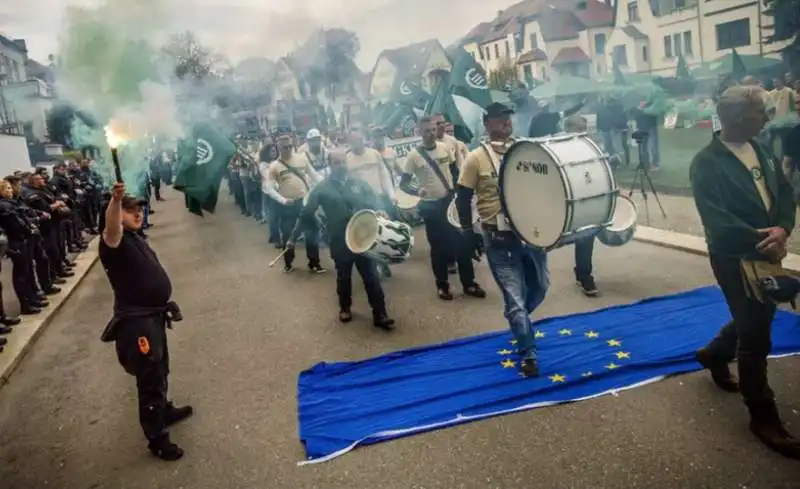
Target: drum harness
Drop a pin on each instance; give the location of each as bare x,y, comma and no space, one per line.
438,171
499,236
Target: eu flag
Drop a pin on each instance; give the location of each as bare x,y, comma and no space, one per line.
342,405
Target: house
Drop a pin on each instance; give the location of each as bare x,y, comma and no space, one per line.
421,62
650,35
288,84
13,54
544,38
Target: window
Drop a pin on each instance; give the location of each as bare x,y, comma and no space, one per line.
527,70
534,42
687,43
680,4
599,44
667,46
486,50
733,34
544,73
508,50
676,44
496,50
620,55
633,12
644,53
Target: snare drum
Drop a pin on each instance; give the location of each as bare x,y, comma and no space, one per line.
452,215
623,224
557,190
378,238
407,207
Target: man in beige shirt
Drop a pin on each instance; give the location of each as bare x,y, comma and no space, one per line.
519,270
463,151
290,177
367,164
434,166
449,141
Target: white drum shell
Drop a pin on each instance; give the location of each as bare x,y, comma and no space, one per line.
407,206
452,215
381,239
623,224
557,190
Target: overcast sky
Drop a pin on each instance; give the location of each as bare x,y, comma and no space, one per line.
242,28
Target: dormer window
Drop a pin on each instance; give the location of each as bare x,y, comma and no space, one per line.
633,12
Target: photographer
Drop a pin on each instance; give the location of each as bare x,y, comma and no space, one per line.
19,231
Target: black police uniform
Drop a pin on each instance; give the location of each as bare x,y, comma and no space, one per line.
18,232
142,313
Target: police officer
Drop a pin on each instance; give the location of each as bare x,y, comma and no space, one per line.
142,313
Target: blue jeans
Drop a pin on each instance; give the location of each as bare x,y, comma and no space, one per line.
521,274
654,147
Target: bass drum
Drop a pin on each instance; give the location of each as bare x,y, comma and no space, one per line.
381,239
623,224
557,190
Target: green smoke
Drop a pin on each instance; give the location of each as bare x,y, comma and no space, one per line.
109,66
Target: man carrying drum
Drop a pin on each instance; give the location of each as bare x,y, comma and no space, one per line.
519,270
434,166
340,196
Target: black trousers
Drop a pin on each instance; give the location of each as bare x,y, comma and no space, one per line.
584,249
747,337
22,272
41,264
52,246
445,242
142,351
156,183
288,218
345,260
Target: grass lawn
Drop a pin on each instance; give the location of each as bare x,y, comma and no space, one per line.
678,147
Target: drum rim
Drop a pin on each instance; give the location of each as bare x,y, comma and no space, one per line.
347,233
635,212
501,185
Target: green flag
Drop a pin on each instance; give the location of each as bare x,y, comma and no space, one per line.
682,70
468,79
739,69
204,157
408,92
443,103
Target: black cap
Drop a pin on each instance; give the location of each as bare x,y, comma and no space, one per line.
496,109
284,131
129,202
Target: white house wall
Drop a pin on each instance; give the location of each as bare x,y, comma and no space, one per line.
437,60
380,86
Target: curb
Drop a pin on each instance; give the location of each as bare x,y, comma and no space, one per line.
26,333
694,244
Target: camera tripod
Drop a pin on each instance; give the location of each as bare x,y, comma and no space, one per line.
643,175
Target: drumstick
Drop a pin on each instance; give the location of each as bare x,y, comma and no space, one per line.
273,262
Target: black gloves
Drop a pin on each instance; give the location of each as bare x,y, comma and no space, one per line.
473,243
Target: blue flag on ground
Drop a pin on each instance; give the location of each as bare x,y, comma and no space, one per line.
342,405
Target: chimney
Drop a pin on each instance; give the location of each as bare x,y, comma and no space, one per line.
22,44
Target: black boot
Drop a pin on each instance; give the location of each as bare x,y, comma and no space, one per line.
164,449
720,372
7,321
52,290
383,321
29,310
5,330
176,414
766,424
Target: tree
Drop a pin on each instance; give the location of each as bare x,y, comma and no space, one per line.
189,57
327,60
786,14
59,123
505,75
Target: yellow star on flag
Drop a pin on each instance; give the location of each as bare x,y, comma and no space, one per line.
556,378
586,374
612,366
614,343
513,342
565,332
504,352
538,334
622,355
508,363
592,334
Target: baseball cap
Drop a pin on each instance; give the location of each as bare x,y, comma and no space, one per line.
313,134
496,109
130,202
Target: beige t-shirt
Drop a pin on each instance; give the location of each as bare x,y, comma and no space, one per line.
481,173
784,101
390,161
290,186
452,146
367,166
747,155
427,178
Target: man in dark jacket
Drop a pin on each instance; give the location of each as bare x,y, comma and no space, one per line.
747,210
612,121
340,196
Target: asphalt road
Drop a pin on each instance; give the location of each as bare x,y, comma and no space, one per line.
68,418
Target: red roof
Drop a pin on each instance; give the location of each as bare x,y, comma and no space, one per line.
531,56
478,32
570,55
596,14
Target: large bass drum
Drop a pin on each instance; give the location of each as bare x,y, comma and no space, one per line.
557,190
452,214
381,239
